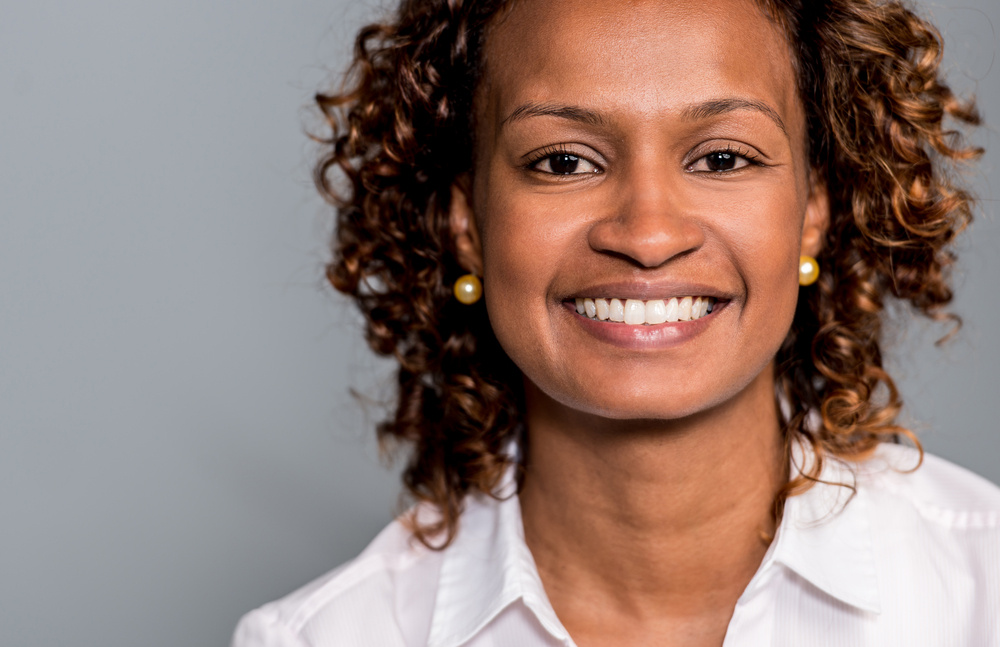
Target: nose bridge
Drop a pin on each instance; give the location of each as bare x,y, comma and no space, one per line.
650,221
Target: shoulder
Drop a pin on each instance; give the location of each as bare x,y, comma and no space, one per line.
935,537
938,492
377,598
911,548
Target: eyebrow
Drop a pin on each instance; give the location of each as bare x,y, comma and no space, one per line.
704,110
717,107
572,113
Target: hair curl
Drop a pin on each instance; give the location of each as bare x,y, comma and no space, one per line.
401,129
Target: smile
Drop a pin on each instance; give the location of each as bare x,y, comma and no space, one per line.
654,311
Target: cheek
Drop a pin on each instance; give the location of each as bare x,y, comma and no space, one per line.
518,257
766,246
527,241
514,256
531,242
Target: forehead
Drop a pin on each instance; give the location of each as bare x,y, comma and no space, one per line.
648,56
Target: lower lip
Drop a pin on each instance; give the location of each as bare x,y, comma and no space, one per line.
644,337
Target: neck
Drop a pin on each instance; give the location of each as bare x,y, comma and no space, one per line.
648,516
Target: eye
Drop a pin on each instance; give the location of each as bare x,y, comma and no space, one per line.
563,163
723,161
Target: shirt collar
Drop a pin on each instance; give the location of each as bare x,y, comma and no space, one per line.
487,568
488,565
825,535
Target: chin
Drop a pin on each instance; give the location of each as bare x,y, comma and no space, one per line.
628,400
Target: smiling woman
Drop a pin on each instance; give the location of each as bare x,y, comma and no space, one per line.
654,428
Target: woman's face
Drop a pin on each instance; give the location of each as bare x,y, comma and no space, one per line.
640,152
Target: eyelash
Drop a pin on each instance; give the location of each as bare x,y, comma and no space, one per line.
751,158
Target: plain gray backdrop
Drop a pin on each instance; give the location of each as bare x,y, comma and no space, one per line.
177,440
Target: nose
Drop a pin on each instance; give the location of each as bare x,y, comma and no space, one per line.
650,220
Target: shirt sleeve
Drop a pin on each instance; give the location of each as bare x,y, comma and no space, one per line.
261,628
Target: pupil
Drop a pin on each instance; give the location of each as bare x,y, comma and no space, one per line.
721,161
564,164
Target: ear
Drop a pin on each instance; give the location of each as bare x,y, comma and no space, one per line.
464,233
817,216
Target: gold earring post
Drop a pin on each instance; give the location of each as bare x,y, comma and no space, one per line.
808,270
468,289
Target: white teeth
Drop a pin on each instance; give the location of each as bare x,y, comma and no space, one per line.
656,311
603,309
617,311
684,309
672,310
637,312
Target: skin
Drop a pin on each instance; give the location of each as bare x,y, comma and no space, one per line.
652,468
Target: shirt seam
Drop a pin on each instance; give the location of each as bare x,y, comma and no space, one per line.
951,518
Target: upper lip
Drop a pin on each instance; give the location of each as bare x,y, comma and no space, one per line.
645,291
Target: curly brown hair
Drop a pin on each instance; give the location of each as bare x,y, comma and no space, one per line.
402,128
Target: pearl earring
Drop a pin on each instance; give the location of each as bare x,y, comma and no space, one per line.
468,289
808,270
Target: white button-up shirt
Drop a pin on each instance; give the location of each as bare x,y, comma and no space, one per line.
910,559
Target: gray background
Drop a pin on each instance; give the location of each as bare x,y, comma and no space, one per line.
177,441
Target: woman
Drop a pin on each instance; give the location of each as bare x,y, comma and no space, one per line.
657,426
